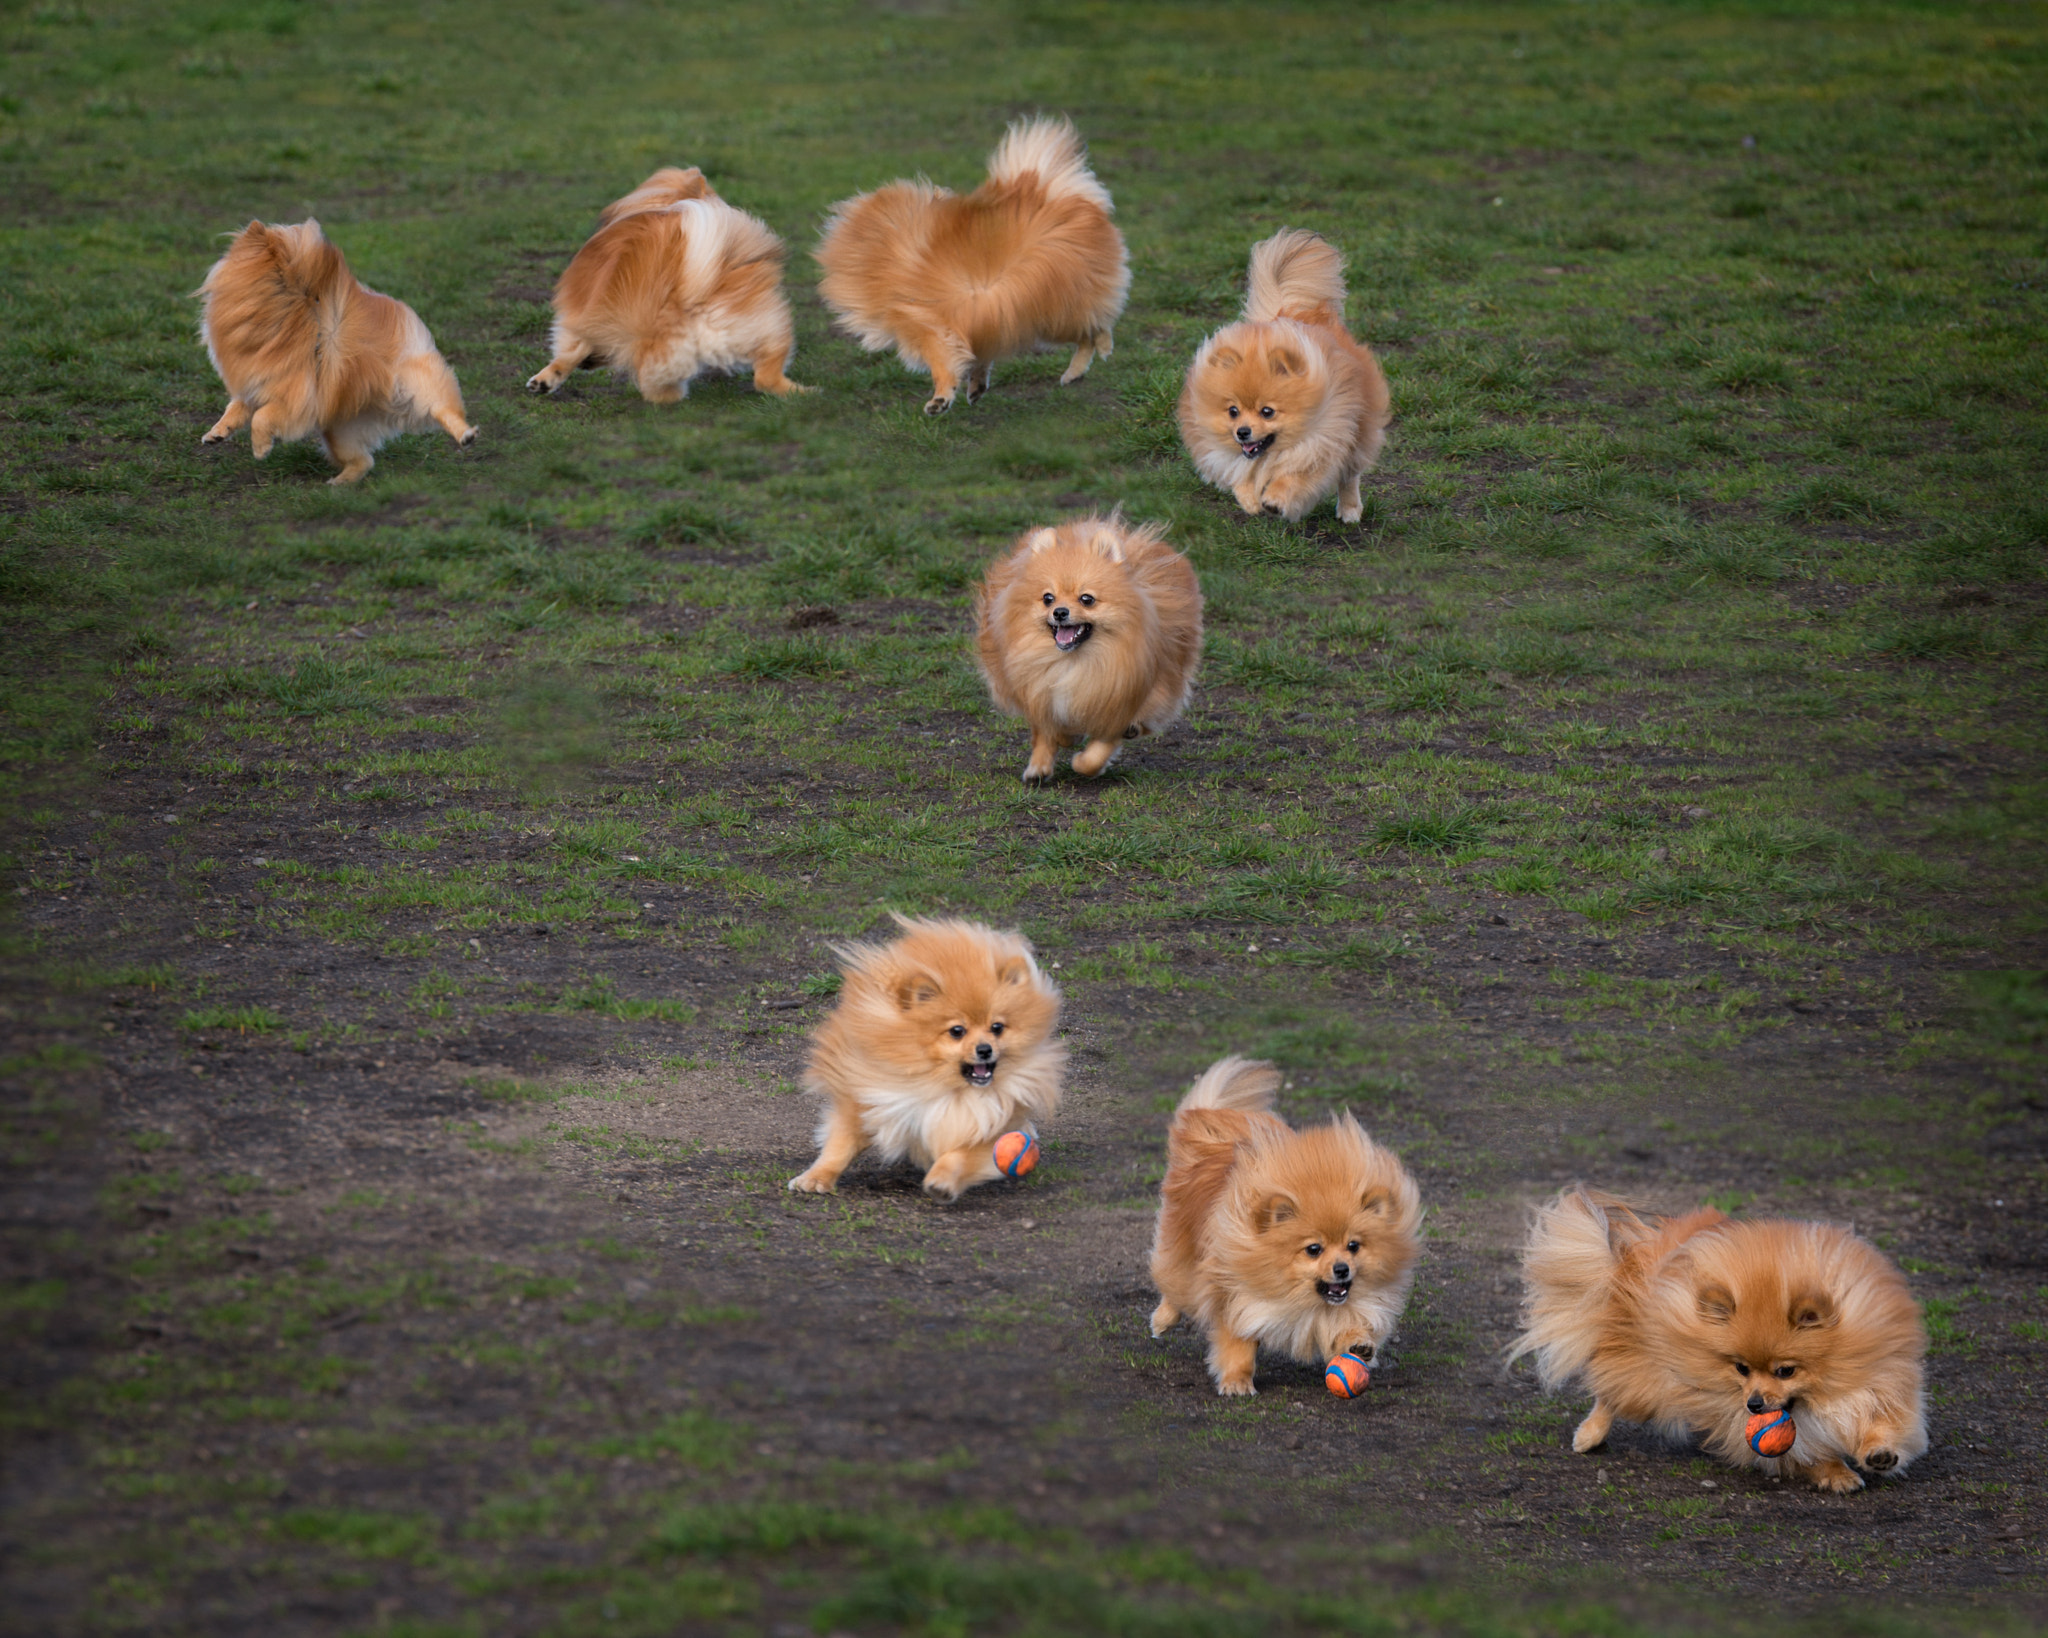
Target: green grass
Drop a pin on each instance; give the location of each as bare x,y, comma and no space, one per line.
1698,599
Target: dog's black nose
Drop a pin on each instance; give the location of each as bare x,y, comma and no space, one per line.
1340,1271
1244,435
1060,614
1756,1403
984,1051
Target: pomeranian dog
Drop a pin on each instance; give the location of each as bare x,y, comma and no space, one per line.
953,283
674,283
1091,633
1695,1324
1283,407
942,1041
303,348
1302,1241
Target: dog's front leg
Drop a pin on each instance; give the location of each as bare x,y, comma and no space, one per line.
958,1170
843,1140
1592,1433
232,420
1231,1358
1044,742
1249,487
1286,496
1095,756
568,359
1831,1473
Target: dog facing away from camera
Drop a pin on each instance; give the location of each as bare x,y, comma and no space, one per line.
1283,407
674,283
942,1041
1695,1324
1091,632
955,282
303,348
1301,1242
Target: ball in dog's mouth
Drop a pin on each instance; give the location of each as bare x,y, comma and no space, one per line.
1332,1293
1252,451
978,1073
1069,637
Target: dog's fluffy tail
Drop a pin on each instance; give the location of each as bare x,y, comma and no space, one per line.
1568,1269
1049,149
1296,275
1233,1083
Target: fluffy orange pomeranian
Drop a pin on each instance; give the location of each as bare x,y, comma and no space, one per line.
942,1041
1303,1242
1091,633
1694,1324
954,282
1283,407
303,348
674,283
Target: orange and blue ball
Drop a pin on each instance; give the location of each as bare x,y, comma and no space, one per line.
1016,1153
1346,1376
1772,1433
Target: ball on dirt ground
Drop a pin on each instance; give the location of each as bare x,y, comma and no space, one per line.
1346,1376
1772,1433
1016,1153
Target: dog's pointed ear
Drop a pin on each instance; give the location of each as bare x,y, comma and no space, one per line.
1225,358
1108,543
1287,361
1039,539
914,987
1376,1202
1017,970
1716,1303
1812,1311
1275,1208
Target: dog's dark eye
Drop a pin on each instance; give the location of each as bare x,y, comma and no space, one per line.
995,1029
1352,1247
1087,600
1266,412
957,1031
1233,412
1784,1371
1741,1369
1312,1250
1047,600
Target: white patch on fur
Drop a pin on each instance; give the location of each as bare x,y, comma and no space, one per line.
1049,148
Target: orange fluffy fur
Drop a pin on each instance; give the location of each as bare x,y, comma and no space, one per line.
303,348
674,283
1284,407
1261,1227
942,1041
1091,632
1695,1323
954,282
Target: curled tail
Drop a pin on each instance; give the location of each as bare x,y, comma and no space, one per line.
1232,1083
1568,1269
1049,149
1296,274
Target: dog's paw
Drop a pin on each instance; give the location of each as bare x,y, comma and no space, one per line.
540,385
214,438
1135,730
1836,1477
1881,1461
466,439
938,403
1350,514
1038,773
810,1183
1231,1387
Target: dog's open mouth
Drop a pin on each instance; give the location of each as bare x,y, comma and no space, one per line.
1254,450
979,1074
1069,637
1332,1293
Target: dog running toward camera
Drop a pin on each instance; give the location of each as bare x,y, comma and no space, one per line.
674,283
303,348
1091,632
1284,407
1694,1324
942,1041
953,283
1303,1242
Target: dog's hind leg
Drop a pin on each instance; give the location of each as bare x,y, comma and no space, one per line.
264,430
1096,755
769,373
1077,366
427,384
1350,504
947,357
1592,1432
570,353
350,451
981,375
843,1140
232,420
1164,1318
